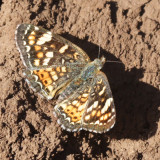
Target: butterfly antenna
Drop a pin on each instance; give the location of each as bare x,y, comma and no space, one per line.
113,61
99,38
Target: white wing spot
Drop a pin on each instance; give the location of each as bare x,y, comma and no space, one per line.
36,28
49,33
28,48
53,73
90,109
113,110
95,104
49,54
87,117
26,31
102,91
31,42
50,88
24,42
107,104
62,49
69,119
45,38
74,102
55,77
36,62
97,122
63,69
46,60
82,106
63,61
85,95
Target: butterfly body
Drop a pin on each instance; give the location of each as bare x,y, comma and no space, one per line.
55,67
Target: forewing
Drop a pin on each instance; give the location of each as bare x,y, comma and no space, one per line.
99,115
51,61
40,48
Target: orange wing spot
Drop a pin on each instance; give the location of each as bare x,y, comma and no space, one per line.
37,48
61,74
102,100
31,42
43,75
76,117
40,54
31,37
78,81
105,116
85,95
41,70
58,69
73,113
84,99
99,106
68,108
109,114
93,113
101,118
98,113
35,72
99,82
52,46
69,55
79,97
76,55
47,81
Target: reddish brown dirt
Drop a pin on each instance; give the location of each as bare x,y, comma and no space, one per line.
129,32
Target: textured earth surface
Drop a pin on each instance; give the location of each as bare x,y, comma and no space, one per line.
128,32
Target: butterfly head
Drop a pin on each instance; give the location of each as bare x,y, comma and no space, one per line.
99,62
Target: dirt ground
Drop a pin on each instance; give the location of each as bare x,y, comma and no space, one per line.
128,32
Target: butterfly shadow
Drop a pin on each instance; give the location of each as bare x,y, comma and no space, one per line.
136,105
136,102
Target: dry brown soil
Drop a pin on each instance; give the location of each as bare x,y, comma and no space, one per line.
129,32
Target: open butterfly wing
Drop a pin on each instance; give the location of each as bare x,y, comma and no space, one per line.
99,115
90,107
51,61
40,48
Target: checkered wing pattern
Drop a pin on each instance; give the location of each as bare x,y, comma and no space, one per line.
55,67
40,48
90,107
51,61
99,115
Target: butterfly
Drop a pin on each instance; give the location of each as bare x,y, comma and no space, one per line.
57,68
